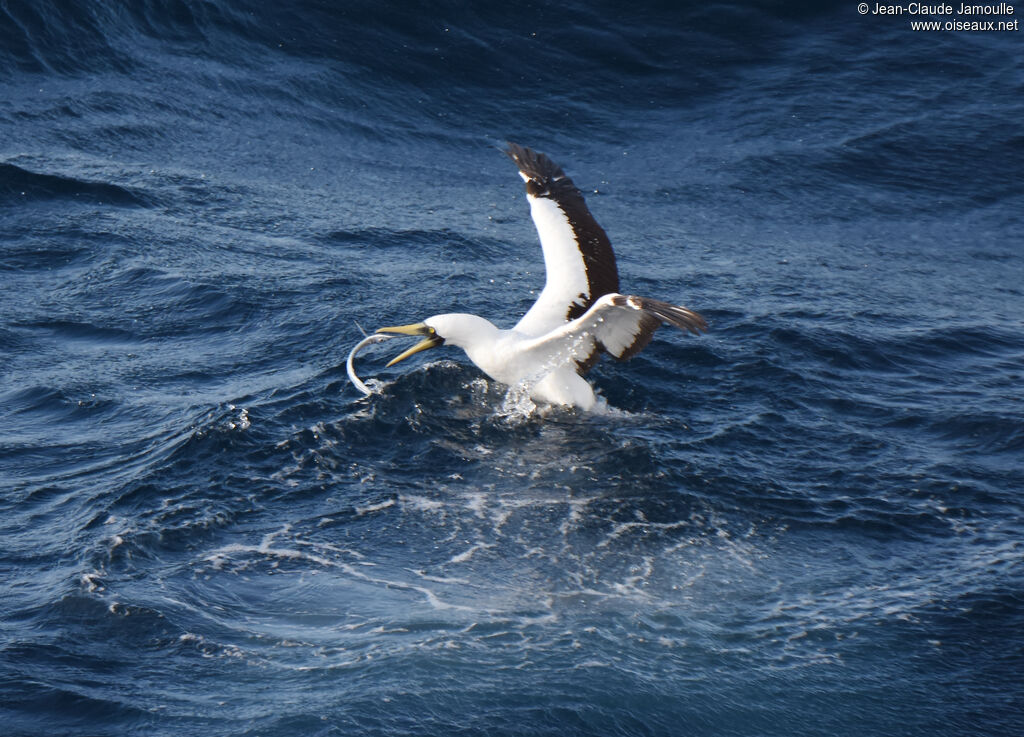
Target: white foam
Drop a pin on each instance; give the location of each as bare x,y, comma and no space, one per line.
421,503
516,406
371,508
242,422
92,581
467,554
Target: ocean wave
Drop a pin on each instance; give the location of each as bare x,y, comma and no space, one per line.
21,186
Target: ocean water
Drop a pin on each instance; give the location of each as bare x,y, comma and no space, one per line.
807,522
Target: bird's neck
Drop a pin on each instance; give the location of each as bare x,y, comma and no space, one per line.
466,331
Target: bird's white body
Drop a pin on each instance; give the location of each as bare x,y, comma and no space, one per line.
579,314
506,356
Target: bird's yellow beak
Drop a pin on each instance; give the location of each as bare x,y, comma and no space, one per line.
432,339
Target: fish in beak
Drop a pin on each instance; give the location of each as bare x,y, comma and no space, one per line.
432,339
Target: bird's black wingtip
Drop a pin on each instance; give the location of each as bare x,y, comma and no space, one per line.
524,157
514,151
533,164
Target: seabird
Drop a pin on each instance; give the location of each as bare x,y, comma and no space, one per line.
579,314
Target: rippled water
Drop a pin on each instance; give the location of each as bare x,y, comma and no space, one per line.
806,522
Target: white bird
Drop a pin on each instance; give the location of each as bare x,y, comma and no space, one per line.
579,313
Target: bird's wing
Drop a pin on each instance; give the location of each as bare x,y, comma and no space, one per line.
616,323
578,256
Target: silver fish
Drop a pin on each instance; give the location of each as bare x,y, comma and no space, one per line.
375,338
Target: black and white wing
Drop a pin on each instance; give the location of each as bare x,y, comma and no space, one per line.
621,325
578,256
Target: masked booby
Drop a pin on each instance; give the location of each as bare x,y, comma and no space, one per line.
579,314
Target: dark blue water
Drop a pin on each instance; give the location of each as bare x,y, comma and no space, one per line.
807,522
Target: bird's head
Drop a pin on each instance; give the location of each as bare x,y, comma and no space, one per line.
456,329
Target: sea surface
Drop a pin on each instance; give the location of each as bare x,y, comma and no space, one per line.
807,522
